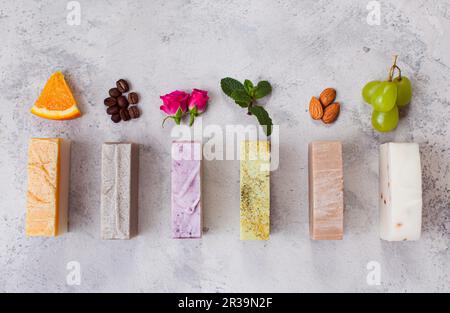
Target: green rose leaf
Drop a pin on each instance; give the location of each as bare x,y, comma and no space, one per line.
262,89
193,114
263,118
248,85
178,116
230,84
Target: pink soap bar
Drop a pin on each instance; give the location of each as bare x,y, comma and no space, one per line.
326,190
186,189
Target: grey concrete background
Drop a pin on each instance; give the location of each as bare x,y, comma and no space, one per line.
299,46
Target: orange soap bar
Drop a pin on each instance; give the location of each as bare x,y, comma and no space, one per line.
48,187
326,190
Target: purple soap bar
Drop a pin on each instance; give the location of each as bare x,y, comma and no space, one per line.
186,189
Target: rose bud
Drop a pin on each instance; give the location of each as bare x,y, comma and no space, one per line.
197,104
175,105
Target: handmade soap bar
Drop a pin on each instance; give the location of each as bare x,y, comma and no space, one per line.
400,191
255,190
186,189
48,187
119,190
326,190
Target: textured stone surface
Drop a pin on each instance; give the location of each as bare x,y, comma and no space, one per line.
326,190
299,46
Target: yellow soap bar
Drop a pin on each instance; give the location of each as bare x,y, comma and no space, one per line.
48,187
255,190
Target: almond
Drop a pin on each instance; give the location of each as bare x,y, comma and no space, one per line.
331,113
315,109
327,96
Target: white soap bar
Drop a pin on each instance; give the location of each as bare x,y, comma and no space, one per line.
400,192
119,191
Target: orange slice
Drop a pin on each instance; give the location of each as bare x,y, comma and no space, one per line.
56,101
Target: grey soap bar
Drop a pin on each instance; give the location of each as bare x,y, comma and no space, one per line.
119,190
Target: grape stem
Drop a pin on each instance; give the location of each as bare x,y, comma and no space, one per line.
392,70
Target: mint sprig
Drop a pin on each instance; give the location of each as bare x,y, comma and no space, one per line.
246,94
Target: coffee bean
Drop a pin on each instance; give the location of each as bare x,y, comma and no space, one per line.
122,102
110,101
116,118
115,92
134,112
133,98
122,85
124,115
115,109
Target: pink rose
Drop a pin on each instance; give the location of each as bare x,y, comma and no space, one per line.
175,105
199,99
197,103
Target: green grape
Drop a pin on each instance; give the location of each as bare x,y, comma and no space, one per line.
385,121
384,97
369,90
404,91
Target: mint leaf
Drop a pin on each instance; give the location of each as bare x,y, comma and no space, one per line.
263,118
262,89
248,85
241,96
230,84
242,104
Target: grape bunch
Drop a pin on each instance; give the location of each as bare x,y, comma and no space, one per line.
386,97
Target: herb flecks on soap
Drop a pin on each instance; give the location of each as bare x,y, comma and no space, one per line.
245,95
